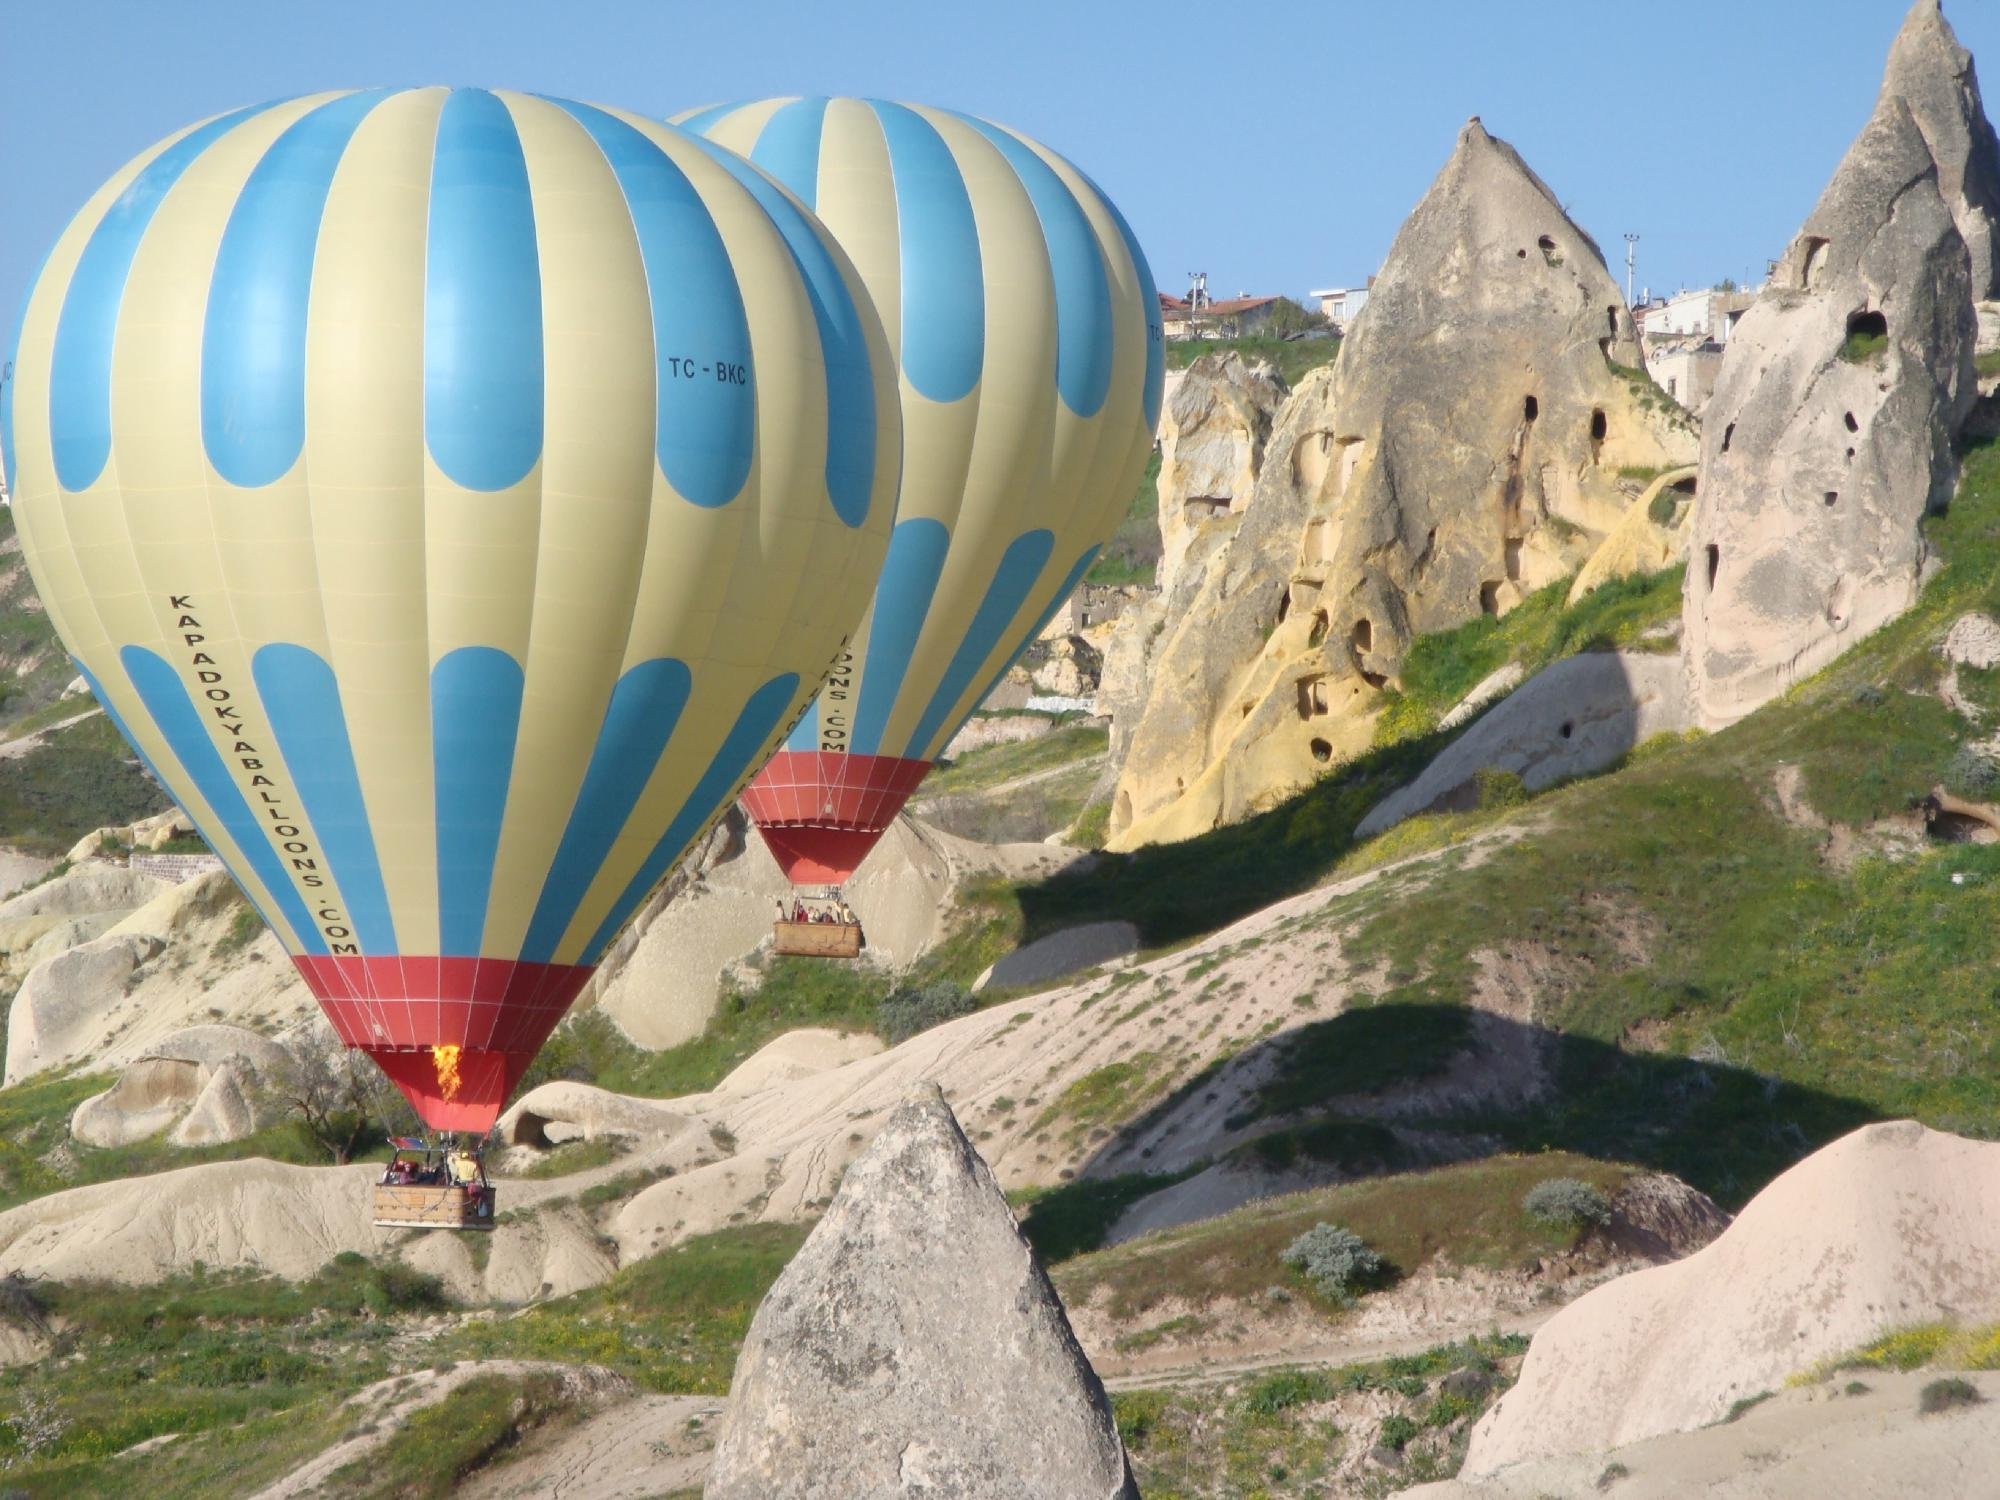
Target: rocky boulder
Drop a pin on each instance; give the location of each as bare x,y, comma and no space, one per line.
1575,717
1212,435
55,1012
1464,451
199,1081
1891,1226
1830,433
1933,75
914,1347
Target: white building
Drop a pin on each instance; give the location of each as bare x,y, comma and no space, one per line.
1707,313
1341,303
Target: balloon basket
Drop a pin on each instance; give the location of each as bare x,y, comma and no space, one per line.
817,939
430,1185
399,1207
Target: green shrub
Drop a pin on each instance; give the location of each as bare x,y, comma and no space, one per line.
910,1010
1566,1203
1498,788
1864,348
1661,511
1946,1394
1336,1261
1287,1389
1396,1431
1973,773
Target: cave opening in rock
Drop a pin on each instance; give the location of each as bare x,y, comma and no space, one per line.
1598,426
1832,498
1867,324
1812,260
1714,562
1511,552
1284,604
1312,697
1852,425
1489,597
1611,317
1548,248
1569,728
1364,636
1322,751
1320,625
1728,433
1530,409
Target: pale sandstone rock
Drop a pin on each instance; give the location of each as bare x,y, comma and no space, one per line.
1817,469
1212,435
1933,75
52,1018
1070,669
1573,718
1638,543
1463,451
1972,641
914,1347
1495,685
1890,1226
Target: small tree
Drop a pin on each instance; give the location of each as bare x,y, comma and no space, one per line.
913,1009
337,1095
1336,1261
1288,317
1566,1203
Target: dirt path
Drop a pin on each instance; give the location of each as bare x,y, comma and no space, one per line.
14,749
1330,1355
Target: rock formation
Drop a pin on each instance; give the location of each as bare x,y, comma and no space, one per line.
1653,535
200,1081
1575,717
1212,436
1933,76
1891,1226
1464,451
1830,432
914,1347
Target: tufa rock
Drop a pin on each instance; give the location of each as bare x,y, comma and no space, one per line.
1463,451
1933,75
1830,433
914,1347
1653,535
1573,718
1891,1226
1212,436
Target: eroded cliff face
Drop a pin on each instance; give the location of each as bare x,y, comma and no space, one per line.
1463,451
1212,435
1830,434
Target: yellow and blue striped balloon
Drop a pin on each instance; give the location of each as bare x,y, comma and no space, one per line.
452,496
1027,336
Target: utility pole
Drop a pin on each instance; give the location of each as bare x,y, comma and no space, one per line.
1631,260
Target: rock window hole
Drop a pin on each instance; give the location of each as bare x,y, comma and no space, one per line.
1520,255
1530,409
1832,498
1548,248
1284,604
1714,562
1812,261
1320,625
1364,636
1569,728
1312,697
1489,597
1611,317
1728,433
1511,550
1868,324
1852,425
1322,751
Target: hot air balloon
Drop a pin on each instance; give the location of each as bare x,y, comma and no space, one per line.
451,495
1027,336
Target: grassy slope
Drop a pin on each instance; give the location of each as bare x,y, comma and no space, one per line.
253,1371
1133,553
81,778
34,669
1293,357
1469,1215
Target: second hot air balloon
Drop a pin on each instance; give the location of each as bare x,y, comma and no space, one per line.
1027,337
452,495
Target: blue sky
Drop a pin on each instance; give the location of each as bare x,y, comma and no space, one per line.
1276,145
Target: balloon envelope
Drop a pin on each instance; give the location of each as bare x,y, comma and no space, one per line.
1027,335
451,495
